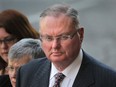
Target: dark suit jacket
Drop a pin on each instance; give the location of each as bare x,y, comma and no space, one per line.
5,81
91,74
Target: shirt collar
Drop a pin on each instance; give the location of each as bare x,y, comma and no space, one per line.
69,70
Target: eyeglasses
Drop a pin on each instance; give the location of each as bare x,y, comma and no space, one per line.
8,40
60,37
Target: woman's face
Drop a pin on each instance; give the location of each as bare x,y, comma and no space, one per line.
6,41
14,65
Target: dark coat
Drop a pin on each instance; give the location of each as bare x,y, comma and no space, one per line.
5,81
91,74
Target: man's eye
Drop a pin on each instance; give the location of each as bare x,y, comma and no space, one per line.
64,37
49,38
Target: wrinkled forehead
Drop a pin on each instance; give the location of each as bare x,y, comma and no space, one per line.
50,23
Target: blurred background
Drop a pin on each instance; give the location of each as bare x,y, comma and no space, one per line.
98,17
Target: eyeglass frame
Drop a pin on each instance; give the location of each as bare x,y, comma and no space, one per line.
7,40
60,37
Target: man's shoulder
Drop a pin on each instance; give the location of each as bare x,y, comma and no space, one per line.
99,68
34,64
27,73
37,61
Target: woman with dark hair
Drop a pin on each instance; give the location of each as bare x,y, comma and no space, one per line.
4,79
3,64
14,26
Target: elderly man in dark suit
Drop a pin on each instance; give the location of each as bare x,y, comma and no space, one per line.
61,35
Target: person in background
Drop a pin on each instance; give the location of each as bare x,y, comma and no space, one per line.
21,53
3,64
14,26
67,64
4,79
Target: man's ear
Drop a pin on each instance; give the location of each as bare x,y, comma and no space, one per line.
81,33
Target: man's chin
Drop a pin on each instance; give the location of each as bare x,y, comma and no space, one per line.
57,59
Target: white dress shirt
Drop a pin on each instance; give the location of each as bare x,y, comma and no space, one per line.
70,72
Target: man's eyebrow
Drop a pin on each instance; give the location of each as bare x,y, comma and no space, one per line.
65,33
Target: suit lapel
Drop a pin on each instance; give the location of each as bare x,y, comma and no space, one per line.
41,78
85,75
84,78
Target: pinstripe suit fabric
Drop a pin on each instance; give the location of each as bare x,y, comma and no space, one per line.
91,74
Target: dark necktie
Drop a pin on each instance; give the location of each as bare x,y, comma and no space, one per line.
58,79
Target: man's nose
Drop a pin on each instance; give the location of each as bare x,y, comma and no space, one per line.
56,43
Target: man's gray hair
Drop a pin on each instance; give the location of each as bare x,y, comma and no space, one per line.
28,46
58,9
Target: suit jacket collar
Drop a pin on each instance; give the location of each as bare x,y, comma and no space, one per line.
85,76
41,78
